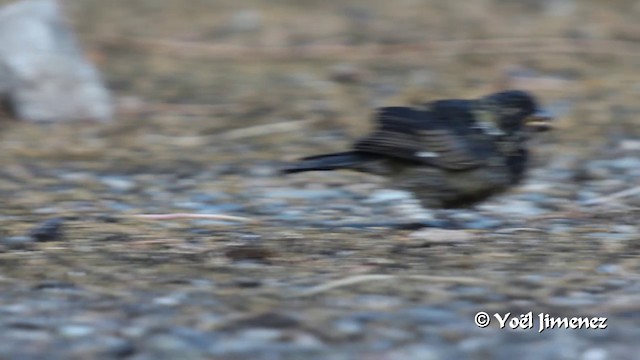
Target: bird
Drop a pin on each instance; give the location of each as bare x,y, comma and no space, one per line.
449,153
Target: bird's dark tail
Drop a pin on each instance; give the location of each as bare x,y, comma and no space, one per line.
343,160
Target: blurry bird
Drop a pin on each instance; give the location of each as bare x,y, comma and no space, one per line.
448,153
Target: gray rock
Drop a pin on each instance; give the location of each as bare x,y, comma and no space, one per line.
387,195
595,354
304,193
42,71
18,242
75,330
347,328
119,183
625,163
443,236
246,21
415,351
513,207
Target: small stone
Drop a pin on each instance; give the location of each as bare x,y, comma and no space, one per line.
55,285
74,331
267,320
625,163
173,346
97,347
347,328
424,352
595,354
624,229
17,242
595,170
319,194
514,207
262,335
118,183
630,145
170,300
443,236
248,283
347,73
608,269
50,230
248,252
387,195
428,315
246,21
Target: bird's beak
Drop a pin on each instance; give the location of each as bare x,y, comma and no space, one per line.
540,121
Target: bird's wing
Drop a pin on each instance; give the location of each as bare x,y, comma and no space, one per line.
415,135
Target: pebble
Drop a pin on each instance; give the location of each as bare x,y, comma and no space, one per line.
268,320
428,315
387,195
513,207
263,341
246,21
613,236
347,328
595,354
75,330
442,236
625,163
17,242
347,73
118,183
169,346
572,301
248,252
304,194
415,351
49,230
473,220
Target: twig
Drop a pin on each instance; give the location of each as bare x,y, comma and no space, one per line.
173,216
265,129
352,280
617,195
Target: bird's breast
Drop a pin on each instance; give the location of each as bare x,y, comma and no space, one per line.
436,187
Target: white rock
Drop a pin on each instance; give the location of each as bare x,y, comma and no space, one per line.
42,71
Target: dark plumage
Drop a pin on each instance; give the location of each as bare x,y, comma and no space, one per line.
449,153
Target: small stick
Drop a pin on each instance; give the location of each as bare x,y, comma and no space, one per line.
173,216
617,195
352,280
265,129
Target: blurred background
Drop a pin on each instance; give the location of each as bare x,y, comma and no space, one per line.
294,60
211,97
228,64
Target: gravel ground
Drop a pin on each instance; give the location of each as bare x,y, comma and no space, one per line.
320,265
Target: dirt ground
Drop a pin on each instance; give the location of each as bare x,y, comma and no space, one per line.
214,96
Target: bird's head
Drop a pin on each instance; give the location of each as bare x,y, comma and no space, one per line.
514,110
